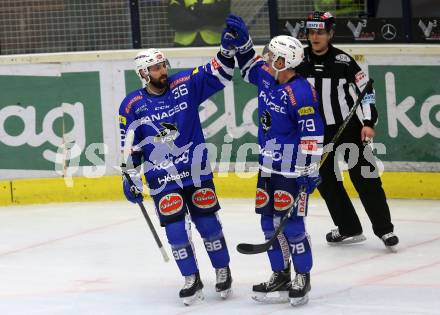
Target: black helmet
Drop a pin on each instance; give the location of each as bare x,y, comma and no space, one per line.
322,20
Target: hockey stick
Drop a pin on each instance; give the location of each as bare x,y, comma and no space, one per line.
127,149
348,118
250,249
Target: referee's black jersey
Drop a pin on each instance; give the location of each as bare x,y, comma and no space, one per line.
332,74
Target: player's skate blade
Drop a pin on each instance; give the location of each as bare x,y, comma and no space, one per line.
276,290
225,294
299,301
271,297
190,300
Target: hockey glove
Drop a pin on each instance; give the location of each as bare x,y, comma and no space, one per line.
309,182
242,40
133,193
227,47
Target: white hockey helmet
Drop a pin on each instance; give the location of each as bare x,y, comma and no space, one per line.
287,47
148,58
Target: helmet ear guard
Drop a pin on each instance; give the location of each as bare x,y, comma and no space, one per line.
265,53
147,58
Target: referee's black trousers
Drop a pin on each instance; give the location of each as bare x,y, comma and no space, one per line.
365,178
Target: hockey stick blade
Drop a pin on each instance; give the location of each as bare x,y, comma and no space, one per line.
250,249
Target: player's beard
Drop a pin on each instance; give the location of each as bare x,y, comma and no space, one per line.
160,83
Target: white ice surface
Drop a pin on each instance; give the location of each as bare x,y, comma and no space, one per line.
100,258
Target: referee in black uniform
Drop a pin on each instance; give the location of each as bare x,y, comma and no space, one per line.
332,72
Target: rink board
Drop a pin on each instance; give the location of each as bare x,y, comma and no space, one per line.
401,185
406,141
46,190
5,193
54,100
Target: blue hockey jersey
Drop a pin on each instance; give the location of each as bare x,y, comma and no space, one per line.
290,131
167,127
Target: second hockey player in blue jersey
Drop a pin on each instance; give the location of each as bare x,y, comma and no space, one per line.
290,136
169,143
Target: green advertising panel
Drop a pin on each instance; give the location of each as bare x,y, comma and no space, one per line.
408,102
407,98
231,118
40,113
34,111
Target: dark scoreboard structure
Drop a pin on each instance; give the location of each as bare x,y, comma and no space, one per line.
371,30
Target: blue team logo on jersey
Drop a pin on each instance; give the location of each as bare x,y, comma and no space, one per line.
167,134
266,121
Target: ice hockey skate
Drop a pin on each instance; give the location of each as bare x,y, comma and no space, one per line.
223,282
298,293
276,290
192,290
390,241
335,238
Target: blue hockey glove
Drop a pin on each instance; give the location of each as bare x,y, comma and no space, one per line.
227,47
242,40
133,192
309,182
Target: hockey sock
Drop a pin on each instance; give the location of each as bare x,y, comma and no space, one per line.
279,255
179,237
299,243
210,230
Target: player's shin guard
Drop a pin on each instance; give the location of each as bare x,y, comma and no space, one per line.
301,252
179,237
299,243
210,229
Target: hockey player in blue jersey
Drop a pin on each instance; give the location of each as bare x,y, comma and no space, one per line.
169,143
290,136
